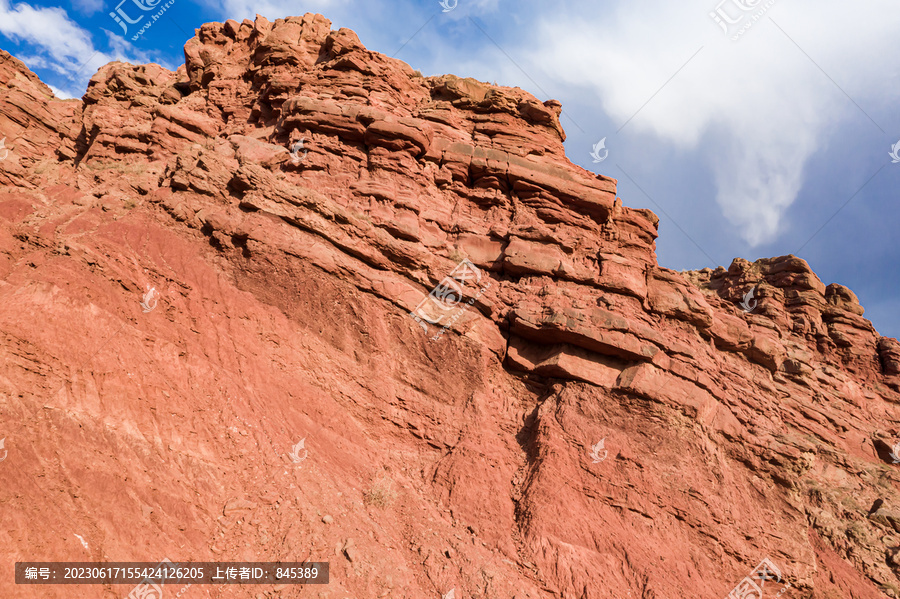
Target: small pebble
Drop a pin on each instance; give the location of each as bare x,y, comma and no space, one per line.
327,519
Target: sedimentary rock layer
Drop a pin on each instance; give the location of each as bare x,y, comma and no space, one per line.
291,197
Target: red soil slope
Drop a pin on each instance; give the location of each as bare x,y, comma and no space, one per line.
470,462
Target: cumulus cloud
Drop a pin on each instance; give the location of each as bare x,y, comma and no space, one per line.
60,45
66,47
33,61
63,95
757,108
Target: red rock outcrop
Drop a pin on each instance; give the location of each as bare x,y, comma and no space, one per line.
461,458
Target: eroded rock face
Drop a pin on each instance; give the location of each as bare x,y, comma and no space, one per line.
735,427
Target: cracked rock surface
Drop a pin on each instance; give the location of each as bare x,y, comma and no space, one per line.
284,283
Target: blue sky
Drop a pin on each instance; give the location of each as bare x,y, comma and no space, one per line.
763,134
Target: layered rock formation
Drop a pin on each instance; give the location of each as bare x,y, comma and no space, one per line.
734,428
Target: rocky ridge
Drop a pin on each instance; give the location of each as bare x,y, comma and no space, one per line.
286,282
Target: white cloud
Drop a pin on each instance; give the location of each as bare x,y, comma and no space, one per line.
757,108
61,45
279,9
68,47
63,95
33,61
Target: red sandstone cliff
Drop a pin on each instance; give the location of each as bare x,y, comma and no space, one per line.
285,285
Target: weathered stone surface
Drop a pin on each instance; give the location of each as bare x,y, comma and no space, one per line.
671,295
35,124
563,361
843,298
645,380
622,275
522,257
730,333
889,351
766,350
582,331
400,136
285,289
481,250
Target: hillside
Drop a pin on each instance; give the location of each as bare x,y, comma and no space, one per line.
563,419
